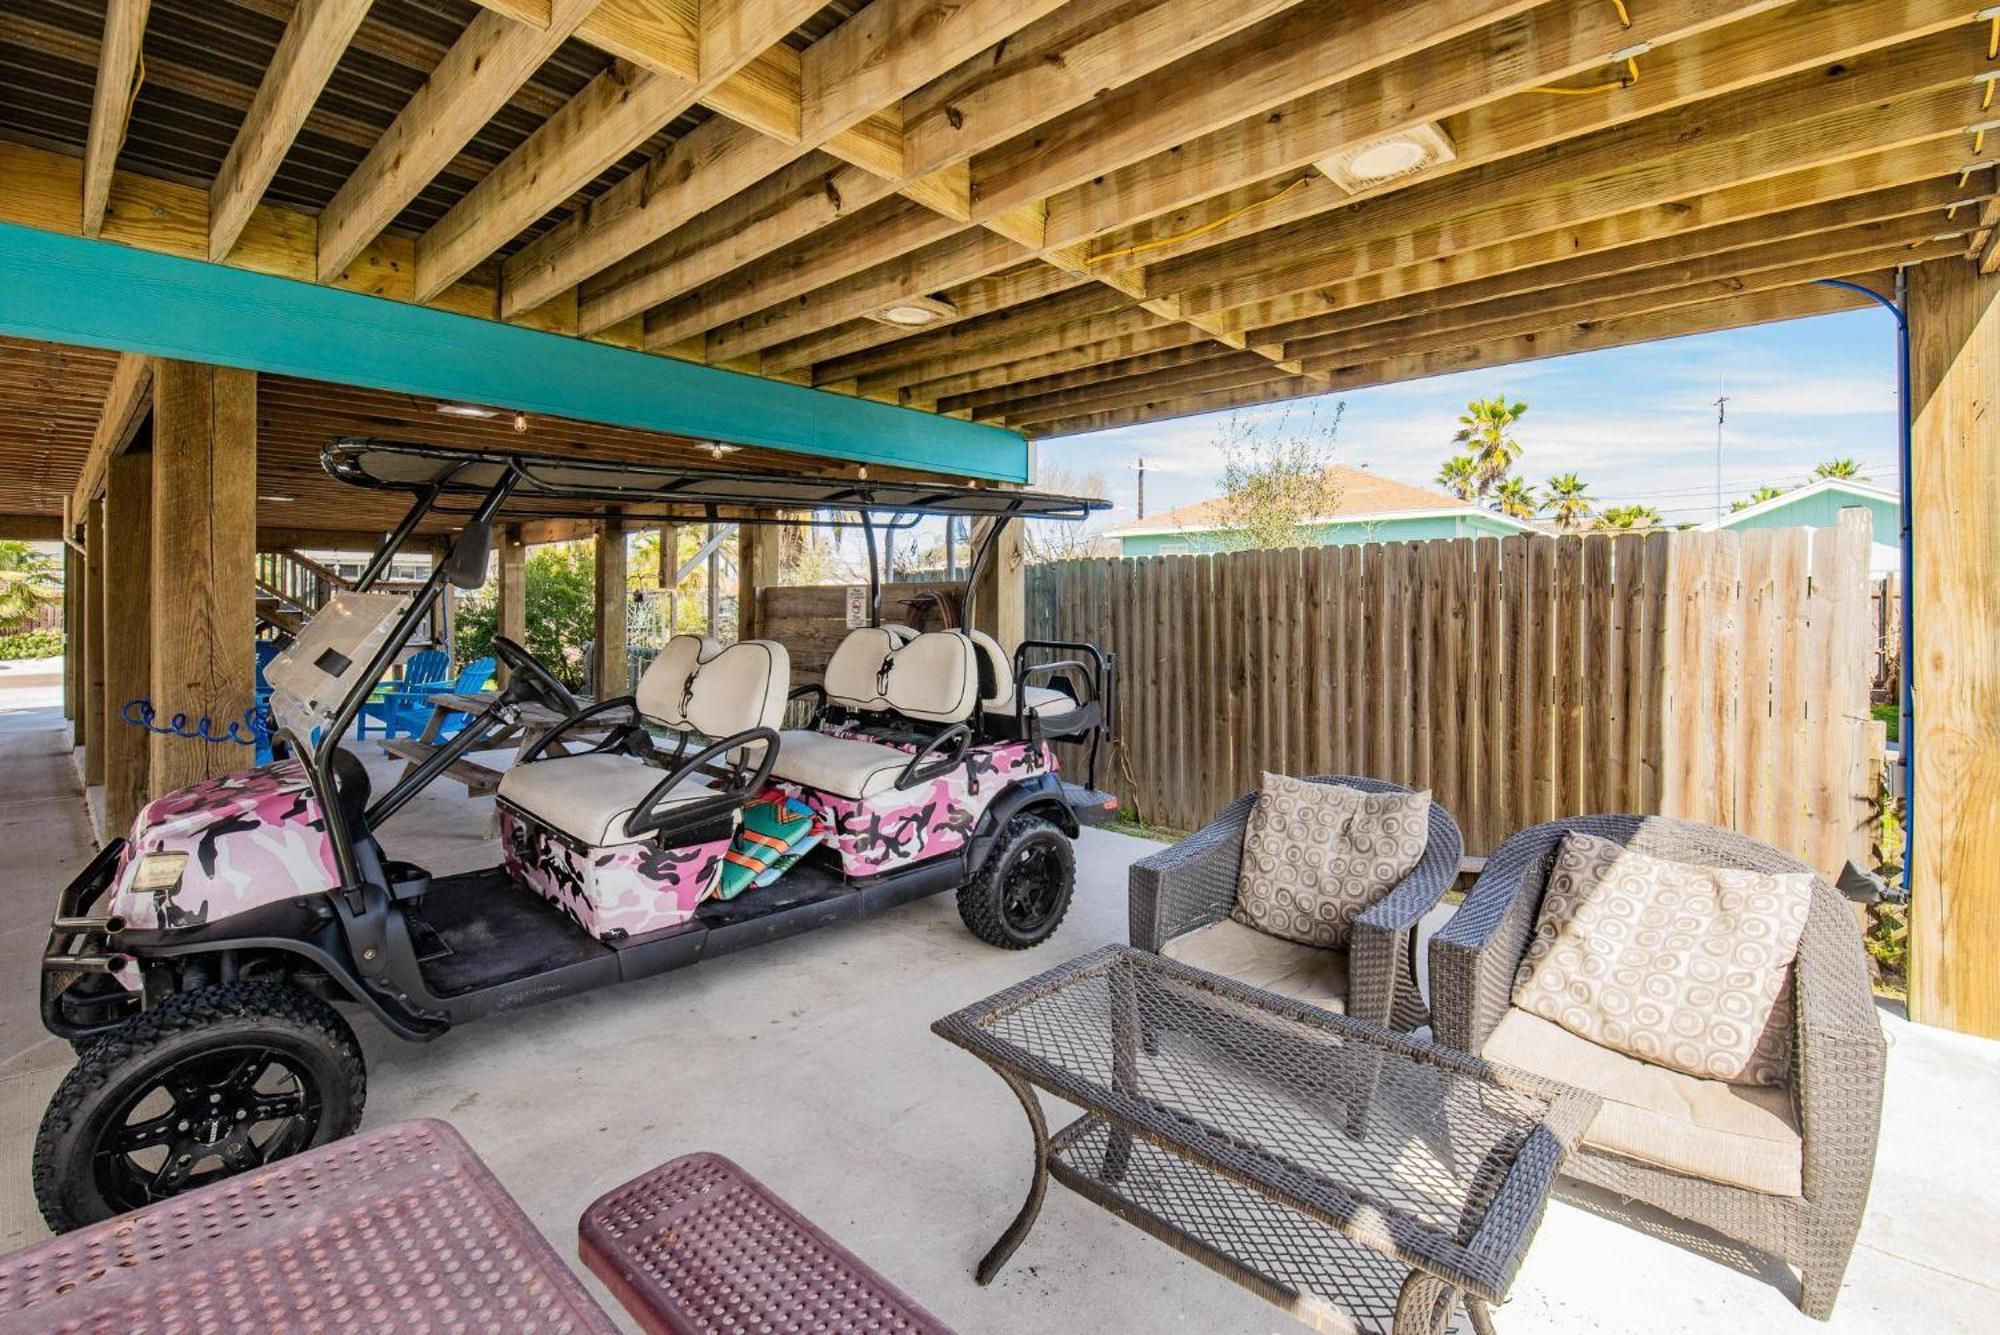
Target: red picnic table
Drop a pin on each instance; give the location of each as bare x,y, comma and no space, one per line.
401,1228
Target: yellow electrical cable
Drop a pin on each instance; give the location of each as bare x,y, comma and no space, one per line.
1631,67
1992,41
1192,232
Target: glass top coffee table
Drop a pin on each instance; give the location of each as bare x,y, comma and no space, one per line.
1359,1178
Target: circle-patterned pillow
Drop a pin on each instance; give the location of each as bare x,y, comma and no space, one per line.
1318,855
1683,966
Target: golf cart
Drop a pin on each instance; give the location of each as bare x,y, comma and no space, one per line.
193,963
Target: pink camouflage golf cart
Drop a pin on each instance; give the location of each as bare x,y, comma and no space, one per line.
200,963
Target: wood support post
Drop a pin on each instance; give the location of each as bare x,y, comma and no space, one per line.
1000,602
128,623
73,643
93,644
204,593
513,589
613,593
759,560
1955,591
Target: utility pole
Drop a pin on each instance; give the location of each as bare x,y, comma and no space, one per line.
1721,416
1141,465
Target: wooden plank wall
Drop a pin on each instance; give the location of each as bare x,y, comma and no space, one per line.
810,620
1717,676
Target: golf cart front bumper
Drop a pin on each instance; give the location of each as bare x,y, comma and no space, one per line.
87,982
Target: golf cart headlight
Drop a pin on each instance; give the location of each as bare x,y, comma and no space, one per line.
159,871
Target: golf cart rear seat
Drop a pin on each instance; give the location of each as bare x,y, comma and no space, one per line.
1044,711
695,689
929,680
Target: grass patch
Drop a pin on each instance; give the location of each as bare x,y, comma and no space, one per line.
1126,823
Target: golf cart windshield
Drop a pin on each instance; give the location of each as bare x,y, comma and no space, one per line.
317,670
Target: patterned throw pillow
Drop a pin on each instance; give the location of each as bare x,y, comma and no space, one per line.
1684,967
1318,855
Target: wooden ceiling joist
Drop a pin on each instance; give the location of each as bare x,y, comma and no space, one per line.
111,106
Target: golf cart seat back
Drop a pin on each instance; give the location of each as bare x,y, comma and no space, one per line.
663,687
996,683
929,679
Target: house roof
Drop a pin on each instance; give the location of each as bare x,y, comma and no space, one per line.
1364,497
1860,491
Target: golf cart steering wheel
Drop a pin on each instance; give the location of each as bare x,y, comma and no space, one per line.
537,682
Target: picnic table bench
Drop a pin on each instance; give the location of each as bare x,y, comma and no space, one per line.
480,780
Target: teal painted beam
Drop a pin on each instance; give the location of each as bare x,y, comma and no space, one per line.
66,289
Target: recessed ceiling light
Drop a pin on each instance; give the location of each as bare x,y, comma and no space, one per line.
1389,158
717,449
472,410
278,500
915,312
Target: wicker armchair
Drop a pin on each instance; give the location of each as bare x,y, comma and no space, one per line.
1837,1059
1193,885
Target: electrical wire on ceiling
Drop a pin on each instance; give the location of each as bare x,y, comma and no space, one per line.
1630,58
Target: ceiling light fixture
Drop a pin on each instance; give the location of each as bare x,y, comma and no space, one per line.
915,312
716,449
278,500
1390,158
474,411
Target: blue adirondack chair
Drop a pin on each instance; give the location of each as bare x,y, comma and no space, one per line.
403,706
266,651
473,678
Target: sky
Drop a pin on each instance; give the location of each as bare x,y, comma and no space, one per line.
1637,423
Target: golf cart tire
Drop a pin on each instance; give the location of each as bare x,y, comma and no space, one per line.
300,1026
982,900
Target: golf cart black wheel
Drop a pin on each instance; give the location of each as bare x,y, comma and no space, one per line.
1019,897
206,1085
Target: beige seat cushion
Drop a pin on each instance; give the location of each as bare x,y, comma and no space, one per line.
1316,856
1680,965
1304,973
588,797
839,765
1742,1135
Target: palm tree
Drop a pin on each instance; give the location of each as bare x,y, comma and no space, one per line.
1456,477
1842,467
1486,430
1567,501
1624,518
1757,497
27,584
1516,499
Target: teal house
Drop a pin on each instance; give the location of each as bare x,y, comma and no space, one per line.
1818,505
1370,509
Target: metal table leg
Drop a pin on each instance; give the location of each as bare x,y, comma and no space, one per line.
1017,1232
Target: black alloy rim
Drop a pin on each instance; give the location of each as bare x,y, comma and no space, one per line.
1031,887
208,1116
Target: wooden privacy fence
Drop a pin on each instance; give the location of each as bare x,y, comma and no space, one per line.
1717,676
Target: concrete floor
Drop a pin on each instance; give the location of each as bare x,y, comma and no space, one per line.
811,1063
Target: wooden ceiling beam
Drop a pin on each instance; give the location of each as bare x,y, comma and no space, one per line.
1136,380
845,80
111,105
615,114
314,41
1832,195
969,301
489,61
998,341
1482,85
1511,199
126,403
1310,46
1772,238
1877,246
1058,62
971,388
1710,317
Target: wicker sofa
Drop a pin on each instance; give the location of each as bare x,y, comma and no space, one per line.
1181,898
1834,1098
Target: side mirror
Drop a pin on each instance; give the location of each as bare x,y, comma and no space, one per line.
465,567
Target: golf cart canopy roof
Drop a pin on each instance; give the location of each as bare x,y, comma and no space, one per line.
547,486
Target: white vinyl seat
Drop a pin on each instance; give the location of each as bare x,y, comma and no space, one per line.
929,678
588,797
997,685
694,688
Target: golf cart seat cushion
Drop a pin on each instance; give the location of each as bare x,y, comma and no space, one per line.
996,682
933,677
663,687
840,765
588,797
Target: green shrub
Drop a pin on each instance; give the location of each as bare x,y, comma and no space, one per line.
32,644
1890,715
561,584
